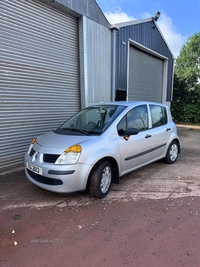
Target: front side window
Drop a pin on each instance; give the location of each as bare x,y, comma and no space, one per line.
135,118
158,115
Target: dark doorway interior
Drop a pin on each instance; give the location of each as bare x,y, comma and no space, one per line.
120,95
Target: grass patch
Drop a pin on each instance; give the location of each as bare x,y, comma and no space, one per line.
189,183
188,189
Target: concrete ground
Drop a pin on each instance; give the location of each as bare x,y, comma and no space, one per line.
152,218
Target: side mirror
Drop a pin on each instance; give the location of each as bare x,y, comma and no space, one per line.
130,131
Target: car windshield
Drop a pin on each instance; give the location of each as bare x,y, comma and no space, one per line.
93,120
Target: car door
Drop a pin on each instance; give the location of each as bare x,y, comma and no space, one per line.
161,130
136,150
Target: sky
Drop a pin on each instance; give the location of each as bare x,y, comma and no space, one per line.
179,19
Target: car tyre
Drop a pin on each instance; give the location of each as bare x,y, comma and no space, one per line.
100,179
172,153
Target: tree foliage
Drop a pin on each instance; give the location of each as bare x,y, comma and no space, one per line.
186,98
187,65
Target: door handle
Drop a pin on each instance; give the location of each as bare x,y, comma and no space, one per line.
168,129
148,136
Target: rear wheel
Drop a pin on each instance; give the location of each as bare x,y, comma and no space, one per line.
172,153
100,179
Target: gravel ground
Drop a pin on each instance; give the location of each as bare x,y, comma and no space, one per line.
152,218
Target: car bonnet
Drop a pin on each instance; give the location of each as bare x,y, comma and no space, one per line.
53,140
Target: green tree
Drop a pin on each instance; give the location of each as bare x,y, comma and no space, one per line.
186,97
187,65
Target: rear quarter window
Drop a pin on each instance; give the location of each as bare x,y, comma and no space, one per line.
158,115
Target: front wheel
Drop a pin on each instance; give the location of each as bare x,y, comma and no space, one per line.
100,179
172,153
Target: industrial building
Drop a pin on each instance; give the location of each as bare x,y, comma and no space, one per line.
58,56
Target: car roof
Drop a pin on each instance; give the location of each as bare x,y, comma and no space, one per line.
127,103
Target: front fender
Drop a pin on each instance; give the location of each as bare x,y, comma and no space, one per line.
94,155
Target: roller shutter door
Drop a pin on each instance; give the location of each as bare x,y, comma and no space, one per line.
145,76
39,76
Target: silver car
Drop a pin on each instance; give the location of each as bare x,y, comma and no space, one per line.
101,143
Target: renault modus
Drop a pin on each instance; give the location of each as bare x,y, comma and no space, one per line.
101,143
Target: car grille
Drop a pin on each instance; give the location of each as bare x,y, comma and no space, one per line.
50,158
32,152
43,179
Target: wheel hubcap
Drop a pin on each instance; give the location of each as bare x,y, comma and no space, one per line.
173,152
105,179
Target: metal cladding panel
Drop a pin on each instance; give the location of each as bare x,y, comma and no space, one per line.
145,76
39,76
148,35
97,72
82,63
86,8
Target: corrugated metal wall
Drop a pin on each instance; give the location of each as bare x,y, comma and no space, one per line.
148,35
87,8
95,62
39,75
145,76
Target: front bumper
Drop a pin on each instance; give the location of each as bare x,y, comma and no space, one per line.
59,178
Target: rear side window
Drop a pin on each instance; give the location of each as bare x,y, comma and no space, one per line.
158,115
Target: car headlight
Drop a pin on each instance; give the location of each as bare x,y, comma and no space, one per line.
31,145
70,155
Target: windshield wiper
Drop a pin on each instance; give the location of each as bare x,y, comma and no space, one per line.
76,130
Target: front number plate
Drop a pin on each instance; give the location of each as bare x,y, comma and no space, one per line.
34,168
